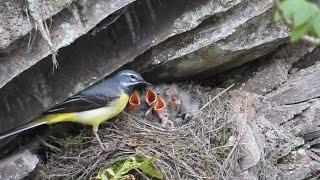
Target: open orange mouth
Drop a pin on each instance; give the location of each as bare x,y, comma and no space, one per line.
151,97
160,104
134,101
161,111
160,108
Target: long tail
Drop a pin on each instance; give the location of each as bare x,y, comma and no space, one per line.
20,129
49,119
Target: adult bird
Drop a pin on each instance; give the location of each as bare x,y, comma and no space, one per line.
92,106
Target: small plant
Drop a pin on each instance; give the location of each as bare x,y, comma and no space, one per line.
301,16
121,169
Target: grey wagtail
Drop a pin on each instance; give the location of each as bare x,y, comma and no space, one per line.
92,106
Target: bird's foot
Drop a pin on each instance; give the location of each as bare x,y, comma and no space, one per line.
106,147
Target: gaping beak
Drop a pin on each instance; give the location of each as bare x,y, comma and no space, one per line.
161,111
160,104
134,102
151,97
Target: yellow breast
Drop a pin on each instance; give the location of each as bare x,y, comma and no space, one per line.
97,116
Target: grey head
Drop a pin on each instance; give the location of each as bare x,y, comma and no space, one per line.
129,79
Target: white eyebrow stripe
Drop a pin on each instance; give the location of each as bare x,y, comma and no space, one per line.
127,83
128,73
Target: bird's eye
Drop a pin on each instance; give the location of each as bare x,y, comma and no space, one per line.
132,76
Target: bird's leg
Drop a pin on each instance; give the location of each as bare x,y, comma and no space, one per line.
95,131
99,140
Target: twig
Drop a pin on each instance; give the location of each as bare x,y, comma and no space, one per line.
142,174
214,98
286,20
222,126
175,164
289,23
148,124
312,40
54,148
236,144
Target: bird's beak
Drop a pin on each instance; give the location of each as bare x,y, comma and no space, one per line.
134,101
151,97
146,83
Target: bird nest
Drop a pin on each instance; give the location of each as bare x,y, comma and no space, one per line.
195,149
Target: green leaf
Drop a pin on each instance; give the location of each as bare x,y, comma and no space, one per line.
277,17
289,7
302,13
305,16
316,25
298,32
110,171
102,175
121,168
148,168
299,11
125,167
313,9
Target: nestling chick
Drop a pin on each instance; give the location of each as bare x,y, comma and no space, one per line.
167,106
134,102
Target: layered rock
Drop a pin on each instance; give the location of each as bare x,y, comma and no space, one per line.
175,39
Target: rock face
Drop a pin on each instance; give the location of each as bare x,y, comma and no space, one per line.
22,47
278,102
278,136
18,165
175,39
306,81
240,32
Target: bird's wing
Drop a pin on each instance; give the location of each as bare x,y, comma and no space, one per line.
81,102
